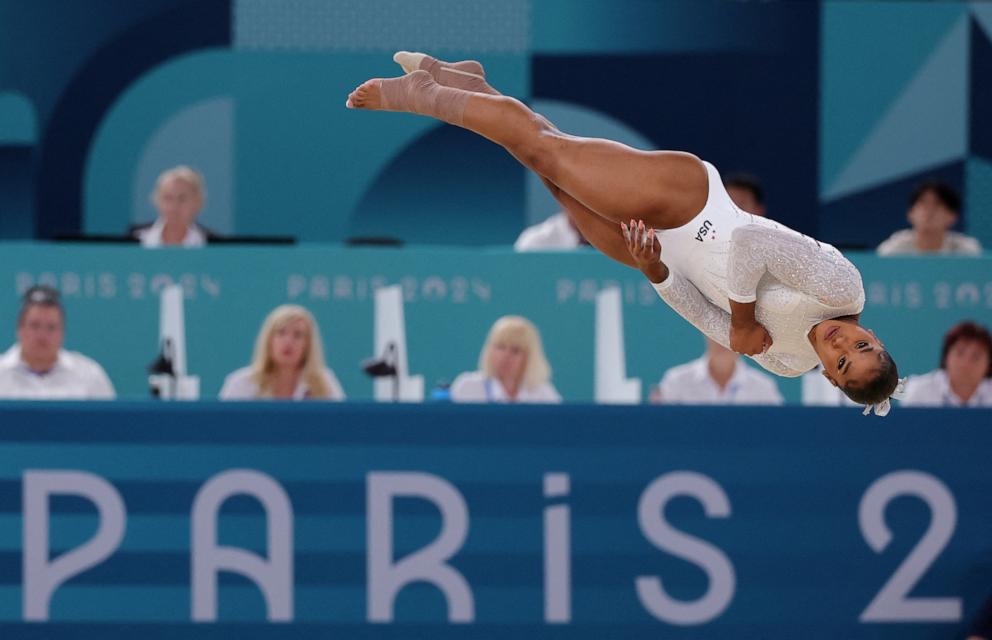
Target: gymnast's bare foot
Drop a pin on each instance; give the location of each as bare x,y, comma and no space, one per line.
405,93
367,95
415,92
468,75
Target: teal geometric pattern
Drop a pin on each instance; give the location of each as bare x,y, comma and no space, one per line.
978,178
982,11
894,79
201,135
613,26
18,121
383,26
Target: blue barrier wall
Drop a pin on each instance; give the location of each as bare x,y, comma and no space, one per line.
452,298
758,523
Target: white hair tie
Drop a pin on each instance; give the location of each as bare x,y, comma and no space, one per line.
882,408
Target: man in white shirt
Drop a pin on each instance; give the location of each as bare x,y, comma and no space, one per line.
719,377
37,367
934,208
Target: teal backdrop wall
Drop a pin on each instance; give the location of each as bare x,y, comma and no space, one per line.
839,107
886,69
452,298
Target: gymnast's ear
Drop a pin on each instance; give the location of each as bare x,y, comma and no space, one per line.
828,377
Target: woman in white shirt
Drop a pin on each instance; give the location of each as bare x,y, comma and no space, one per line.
964,378
288,363
512,367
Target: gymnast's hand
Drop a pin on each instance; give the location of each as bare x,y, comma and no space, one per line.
749,338
645,249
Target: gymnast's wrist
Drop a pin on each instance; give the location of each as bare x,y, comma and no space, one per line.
742,314
656,272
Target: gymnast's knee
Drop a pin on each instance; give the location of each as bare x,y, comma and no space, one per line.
542,153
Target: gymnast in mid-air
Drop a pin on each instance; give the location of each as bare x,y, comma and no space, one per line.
749,283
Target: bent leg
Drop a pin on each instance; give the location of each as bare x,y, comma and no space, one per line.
664,188
600,232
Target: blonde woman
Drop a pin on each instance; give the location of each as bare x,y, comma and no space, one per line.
288,362
178,196
512,367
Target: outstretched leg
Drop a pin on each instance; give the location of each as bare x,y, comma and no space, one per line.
664,188
597,230
465,74
441,72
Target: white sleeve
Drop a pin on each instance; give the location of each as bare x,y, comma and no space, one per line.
227,389
468,387
147,240
817,390
100,386
334,386
669,389
549,394
795,260
530,239
553,234
922,391
687,301
770,362
970,246
683,296
238,385
767,391
889,246
759,388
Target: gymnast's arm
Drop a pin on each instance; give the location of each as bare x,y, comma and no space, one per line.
795,260
683,296
680,294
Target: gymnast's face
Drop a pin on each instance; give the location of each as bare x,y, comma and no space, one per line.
849,352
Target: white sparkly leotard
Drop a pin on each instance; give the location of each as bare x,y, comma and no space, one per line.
727,254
